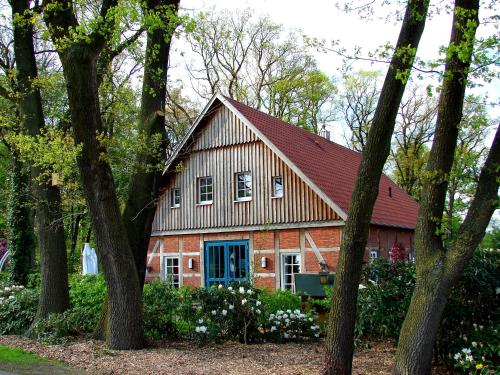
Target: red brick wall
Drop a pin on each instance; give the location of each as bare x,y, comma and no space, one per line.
327,238
289,238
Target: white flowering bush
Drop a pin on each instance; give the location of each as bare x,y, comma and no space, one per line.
17,309
227,313
291,326
481,351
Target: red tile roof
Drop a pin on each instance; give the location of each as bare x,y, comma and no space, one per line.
332,167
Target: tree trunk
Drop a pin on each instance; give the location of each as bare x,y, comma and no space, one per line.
438,268
340,336
124,293
20,222
54,295
145,183
75,231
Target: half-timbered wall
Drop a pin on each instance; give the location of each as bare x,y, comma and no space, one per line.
223,147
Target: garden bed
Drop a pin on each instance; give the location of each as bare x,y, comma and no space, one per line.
188,358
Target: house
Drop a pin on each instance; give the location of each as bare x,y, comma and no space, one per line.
248,195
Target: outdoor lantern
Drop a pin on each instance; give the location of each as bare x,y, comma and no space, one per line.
190,263
263,262
323,274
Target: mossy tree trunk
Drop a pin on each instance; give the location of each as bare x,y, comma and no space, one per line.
340,335
438,267
54,295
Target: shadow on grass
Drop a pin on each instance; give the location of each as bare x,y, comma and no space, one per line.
17,361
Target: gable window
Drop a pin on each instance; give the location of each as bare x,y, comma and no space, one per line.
205,190
373,255
175,197
277,187
172,270
244,186
290,265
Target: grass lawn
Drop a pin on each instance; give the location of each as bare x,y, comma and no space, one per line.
20,362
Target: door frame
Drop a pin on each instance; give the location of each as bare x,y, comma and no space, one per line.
226,244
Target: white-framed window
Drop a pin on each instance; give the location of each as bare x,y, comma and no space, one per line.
175,197
171,264
243,182
205,190
277,187
290,265
373,255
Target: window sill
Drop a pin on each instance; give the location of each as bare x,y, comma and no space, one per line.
277,197
242,200
175,207
204,203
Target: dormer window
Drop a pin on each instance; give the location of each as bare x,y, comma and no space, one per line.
205,190
277,187
175,197
244,186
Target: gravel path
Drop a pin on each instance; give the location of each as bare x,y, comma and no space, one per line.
188,358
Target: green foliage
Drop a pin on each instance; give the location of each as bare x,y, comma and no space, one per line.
161,303
273,301
383,303
54,328
87,294
471,318
17,309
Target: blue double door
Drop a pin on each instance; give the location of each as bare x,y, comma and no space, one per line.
226,261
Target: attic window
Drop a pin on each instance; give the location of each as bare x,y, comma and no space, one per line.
277,187
244,186
175,197
205,190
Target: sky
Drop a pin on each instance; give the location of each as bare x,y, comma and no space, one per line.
323,20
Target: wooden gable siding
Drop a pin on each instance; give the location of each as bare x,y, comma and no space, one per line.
220,155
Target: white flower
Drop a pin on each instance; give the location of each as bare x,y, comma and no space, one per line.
279,312
310,319
316,335
197,329
285,316
314,327
296,311
481,328
474,344
229,288
249,292
273,328
224,312
466,350
241,290
11,297
258,303
258,311
231,307
203,329
292,316
200,321
214,312
289,311
243,301
220,286
456,356
271,317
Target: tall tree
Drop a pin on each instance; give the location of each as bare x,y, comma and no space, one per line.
54,294
439,266
414,129
356,106
120,240
340,336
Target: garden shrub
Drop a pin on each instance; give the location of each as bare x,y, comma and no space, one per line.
382,304
17,309
54,328
161,301
471,320
290,325
279,300
87,294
